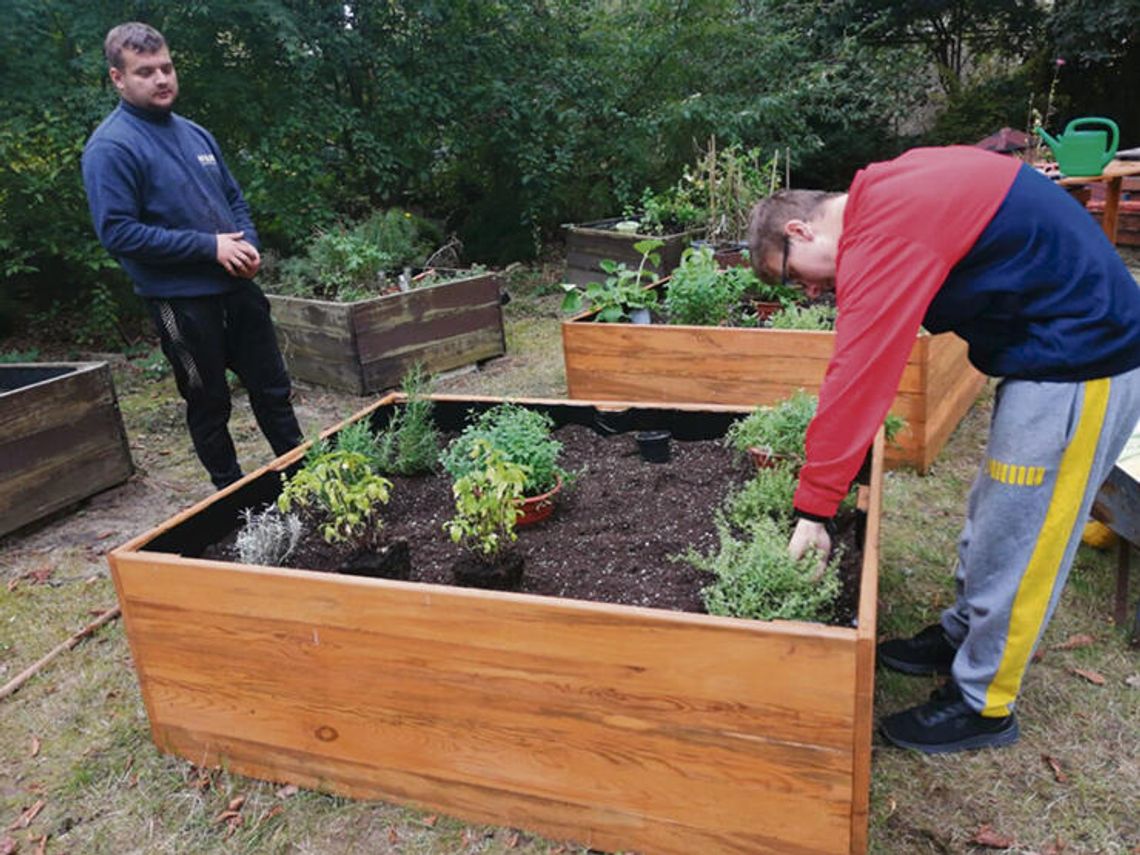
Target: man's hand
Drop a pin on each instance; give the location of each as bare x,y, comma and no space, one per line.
239,257
810,534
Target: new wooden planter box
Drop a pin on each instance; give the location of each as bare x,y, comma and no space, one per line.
620,727
368,345
588,244
748,367
61,438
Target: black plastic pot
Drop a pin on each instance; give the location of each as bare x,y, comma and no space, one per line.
654,445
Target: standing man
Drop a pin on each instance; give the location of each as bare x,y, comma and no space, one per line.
963,240
166,207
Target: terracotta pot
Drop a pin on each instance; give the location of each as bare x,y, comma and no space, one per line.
765,458
535,509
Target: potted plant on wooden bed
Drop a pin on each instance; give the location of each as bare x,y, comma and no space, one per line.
366,301
746,359
623,726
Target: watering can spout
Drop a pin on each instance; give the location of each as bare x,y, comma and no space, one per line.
1052,142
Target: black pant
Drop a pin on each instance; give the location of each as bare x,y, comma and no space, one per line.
202,337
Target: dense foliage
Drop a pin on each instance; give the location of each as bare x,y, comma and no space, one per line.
501,120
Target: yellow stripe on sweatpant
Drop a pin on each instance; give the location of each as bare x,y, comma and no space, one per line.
1036,588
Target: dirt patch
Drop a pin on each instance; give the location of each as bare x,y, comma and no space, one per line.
613,537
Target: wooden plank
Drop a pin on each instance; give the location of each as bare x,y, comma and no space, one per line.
588,244
61,439
572,701
750,367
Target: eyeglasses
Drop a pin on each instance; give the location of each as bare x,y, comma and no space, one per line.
784,263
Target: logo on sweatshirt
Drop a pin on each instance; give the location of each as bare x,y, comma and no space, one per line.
207,160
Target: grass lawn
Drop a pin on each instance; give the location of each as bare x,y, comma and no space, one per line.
79,774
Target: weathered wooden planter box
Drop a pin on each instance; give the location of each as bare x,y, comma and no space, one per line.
589,244
748,367
61,438
367,346
616,726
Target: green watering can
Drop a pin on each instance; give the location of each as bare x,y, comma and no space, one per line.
1083,153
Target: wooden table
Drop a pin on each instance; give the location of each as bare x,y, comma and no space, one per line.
1117,505
1113,179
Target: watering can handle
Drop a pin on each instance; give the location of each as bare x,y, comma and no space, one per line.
1099,120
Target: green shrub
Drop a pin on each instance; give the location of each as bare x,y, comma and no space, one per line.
780,427
700,294
623,289
487,500
410,443
768,495
794,317
756,577
341,489
523,437
354,262
11,356
358,438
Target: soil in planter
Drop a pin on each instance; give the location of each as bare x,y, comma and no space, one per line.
504,574
612,533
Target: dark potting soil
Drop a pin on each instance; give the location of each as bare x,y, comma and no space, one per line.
610,539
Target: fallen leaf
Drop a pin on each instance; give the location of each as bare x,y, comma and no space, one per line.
225,815
287,791
1057,847
35,749
8,846
513,840
26,817
105,534
13,584
393,837
1133,681
41,844
1092,676
236,802
39,576
1038,655
430,821
276,810
1074,642
986,836
232,825
1058,773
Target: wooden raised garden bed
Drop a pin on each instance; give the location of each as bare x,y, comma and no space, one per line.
621,727
588,244
61,438
367,346
748,367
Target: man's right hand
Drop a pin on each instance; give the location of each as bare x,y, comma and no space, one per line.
810,534
239,257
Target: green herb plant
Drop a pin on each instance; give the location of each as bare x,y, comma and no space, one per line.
699,293
756,577
768,494
622,289
268,537
341,489
488,497
794,317
779,428
410,443
522,436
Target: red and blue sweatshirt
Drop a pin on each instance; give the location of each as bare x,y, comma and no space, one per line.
963,240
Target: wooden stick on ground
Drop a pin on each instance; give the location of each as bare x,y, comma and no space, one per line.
16,682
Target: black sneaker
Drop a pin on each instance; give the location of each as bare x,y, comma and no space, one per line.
929,652
945,724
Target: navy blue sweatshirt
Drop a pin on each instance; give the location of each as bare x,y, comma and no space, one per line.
159,193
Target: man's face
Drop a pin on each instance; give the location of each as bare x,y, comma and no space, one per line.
147,80
810,263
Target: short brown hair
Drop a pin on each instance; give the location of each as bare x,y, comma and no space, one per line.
770,216
133,36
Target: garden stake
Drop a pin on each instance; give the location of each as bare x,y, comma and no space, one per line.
13,685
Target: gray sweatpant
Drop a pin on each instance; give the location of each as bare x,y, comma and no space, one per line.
1051,446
